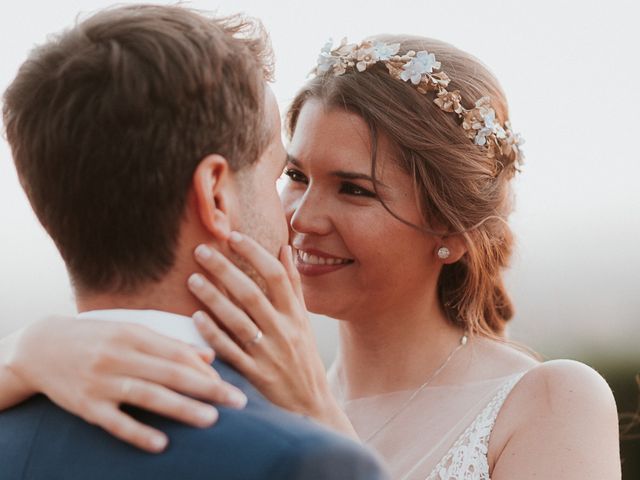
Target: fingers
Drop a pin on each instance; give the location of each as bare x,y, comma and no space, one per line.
179,378
147,341
165,402
238,285
266,265
109,417
231,316
207,355
224,345
286,258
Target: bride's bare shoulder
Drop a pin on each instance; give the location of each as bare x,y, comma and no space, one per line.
550,383
562,409
562,385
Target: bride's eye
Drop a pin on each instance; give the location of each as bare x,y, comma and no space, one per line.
296,175
355,190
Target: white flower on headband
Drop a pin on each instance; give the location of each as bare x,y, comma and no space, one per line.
491,126
423,63
384,51
326,49
325,60
512,142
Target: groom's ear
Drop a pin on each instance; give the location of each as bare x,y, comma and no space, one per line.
211,184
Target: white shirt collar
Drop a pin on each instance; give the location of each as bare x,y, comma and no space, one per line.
165,323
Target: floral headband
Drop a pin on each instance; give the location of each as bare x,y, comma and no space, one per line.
423,71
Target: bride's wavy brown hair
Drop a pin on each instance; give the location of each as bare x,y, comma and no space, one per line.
461,190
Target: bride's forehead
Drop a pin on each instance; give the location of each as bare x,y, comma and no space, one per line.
318,121
318,157
332,138
330,141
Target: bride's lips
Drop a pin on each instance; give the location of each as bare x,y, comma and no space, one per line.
313,262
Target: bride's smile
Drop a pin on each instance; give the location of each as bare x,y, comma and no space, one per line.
311,261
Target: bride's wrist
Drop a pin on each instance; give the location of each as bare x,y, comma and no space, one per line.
328,412
336,419
14,386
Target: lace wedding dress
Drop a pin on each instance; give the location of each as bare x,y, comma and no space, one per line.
441,434
467,458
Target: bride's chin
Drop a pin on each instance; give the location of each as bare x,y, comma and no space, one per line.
317,308
326,308
334,303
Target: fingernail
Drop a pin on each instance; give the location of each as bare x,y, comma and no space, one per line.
207,416
235,237
198,317
237,398
158,442
196,281
203,252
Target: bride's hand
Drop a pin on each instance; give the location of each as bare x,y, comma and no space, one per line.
90,368
268,339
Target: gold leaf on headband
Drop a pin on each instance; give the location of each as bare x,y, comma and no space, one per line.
449,101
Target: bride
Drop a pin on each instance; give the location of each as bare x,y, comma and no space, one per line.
397,194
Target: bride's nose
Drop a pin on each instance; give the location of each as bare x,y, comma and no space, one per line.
310,214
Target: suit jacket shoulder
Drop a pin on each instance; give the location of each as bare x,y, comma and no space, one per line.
40,441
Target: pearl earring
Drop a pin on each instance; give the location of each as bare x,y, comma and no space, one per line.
443,253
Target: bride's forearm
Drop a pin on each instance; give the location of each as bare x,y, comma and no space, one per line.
331,415
13,389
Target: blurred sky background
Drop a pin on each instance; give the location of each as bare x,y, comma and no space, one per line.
570,70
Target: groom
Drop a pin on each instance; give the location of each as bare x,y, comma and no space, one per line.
137,135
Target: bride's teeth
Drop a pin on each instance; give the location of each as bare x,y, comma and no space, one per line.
316,260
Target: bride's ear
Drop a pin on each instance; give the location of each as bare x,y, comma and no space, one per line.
211,184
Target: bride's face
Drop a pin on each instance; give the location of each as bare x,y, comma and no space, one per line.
353,255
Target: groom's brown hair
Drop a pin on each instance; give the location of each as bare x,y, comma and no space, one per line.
108,121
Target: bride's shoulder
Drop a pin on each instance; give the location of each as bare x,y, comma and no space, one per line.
561,399
558,409
547,387
546,384
564,385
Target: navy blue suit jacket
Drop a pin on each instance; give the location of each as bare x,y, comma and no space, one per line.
40,441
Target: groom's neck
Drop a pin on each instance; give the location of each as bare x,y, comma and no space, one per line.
169,295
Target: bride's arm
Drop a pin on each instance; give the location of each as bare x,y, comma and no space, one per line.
90,368
13,389
267,337
562,424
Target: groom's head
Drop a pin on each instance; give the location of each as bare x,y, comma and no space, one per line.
141,120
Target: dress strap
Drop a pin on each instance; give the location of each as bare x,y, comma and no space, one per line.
467,458
493,409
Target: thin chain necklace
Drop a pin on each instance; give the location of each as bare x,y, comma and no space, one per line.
463,342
